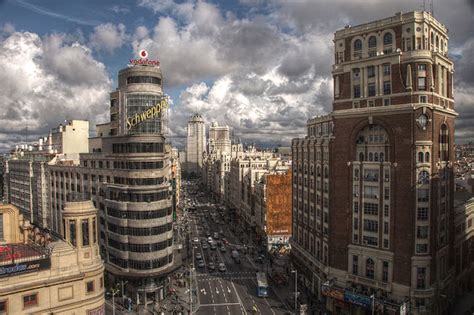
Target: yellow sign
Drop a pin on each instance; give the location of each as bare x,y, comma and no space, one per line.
148,114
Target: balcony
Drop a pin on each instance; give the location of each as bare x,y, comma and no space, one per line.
370,282
422,293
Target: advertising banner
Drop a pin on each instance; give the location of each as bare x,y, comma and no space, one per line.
20,268
358,299
332,292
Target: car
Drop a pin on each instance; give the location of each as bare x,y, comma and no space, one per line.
209,240
216,235
196,240
211,266
198,256
213,246
222,249
219,243
204,246
203,240
201,264
225,241
222,267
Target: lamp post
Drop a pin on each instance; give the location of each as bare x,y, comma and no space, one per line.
372,298
114,292
296,288
123,284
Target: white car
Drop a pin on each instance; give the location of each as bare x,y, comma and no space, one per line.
196,240
222,267
209,240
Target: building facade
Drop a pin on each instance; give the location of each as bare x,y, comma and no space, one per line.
195,144
129,178
41,274
372,181
219,138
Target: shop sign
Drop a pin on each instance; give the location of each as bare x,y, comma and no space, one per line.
97,311
20,268
147,114
332,292
358,299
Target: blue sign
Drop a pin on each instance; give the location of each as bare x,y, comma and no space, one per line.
358,299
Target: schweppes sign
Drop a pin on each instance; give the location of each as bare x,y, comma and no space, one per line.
150,113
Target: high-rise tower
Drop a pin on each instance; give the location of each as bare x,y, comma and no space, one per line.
195,144
373,180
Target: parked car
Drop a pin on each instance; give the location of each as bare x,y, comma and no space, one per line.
204,246
198,256
196,240
213,246
211,266
222,249
209,240
201,264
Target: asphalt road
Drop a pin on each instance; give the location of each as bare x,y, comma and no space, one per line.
235,290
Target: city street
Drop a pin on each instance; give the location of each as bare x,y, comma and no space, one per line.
233,291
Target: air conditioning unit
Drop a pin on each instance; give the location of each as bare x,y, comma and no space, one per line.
376,196
387,180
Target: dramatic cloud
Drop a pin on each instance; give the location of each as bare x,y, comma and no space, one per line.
45,81
108,37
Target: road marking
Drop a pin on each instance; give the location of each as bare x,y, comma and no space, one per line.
219,304
228,289
239,299
217,290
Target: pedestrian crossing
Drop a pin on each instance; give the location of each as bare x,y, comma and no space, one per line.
237,273
226,277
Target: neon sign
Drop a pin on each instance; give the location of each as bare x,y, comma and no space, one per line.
144,60
147,114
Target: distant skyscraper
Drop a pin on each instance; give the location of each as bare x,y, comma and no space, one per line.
219,138
373,180
195,144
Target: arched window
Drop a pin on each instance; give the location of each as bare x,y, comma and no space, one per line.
358,44
423,177
318,171
432,38
361,156
420,157
427,157
437,41
369,268
326,172
381,156
376,157
371,157
387,39
372,42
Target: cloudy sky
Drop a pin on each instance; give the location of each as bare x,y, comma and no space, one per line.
261,67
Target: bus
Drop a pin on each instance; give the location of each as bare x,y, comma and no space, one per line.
262,284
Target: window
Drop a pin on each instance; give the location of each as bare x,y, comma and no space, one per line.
371,103
385,271
385,228
371,208
358,45
90,287
422,231
101,282
85,232
423,177
356,224
371,89
372,42
421,84
371,71
355,265
427,157
357,91
369,268
4,307
30,300
386,102
386,69
421,278
143,79
94,230
371,175
423,99
371,192
387,39
371,225
385,243
423,195
72,232
422,213
386,210
422,67
420,157
387,87
421,248
369,240
356,207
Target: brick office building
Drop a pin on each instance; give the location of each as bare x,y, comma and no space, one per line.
372,181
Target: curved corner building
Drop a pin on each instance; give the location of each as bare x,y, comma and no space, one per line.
136,215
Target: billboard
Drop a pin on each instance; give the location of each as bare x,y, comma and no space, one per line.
279,216
24,267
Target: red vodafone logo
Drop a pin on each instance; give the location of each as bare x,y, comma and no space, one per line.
143,54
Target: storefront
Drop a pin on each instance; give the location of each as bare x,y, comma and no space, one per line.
335,300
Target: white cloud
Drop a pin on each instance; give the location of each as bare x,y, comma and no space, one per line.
108,37
46,80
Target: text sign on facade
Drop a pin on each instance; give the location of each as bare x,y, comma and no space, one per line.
147,114
30,266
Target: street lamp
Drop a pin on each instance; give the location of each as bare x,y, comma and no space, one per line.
123,284
114,292
372,298
296,288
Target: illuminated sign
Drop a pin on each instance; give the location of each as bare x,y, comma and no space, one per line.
148,114
144,59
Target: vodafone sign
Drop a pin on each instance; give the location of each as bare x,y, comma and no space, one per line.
143,54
